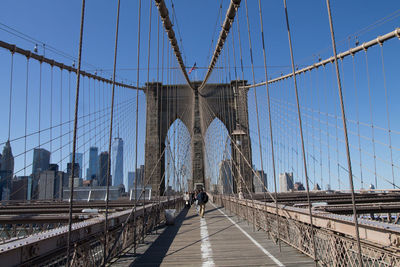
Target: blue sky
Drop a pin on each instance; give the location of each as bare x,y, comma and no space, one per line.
56,23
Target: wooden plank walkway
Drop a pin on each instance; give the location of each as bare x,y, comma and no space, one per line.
214,241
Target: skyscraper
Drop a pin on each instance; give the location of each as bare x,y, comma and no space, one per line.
6,171
79,160
260,182
93,170
41,160
225,177
118,161
104,160
139,175
76,170
7,159
131,180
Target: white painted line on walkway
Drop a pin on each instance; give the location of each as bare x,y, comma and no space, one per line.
206,251
266,252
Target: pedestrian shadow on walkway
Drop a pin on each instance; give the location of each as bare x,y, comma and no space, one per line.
155,254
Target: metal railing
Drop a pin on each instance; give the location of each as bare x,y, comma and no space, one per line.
335,241
48,248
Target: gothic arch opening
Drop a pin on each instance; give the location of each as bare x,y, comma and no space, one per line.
217,160
177,154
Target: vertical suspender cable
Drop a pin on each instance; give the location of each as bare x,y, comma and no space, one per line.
327,127
10,100
358,120
337,141
33,193
255,96
61,127
78,74
168,87
312,128
26,110
51,108
320,134
345,134
69,111
270,122
136,126
234,115
371,116
147,90
158,97
110,137
387,115
241,164
160,114
301,133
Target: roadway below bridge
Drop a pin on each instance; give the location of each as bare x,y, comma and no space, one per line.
220,239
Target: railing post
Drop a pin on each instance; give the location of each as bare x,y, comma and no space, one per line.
254,218
237,208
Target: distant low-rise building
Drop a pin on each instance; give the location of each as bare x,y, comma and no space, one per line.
19,188
46,184
260,182
298,187
286,182
92,193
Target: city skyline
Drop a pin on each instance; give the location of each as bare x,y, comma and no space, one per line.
47,180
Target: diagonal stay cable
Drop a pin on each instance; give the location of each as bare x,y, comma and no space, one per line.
78,75
301,134
270,121
110,138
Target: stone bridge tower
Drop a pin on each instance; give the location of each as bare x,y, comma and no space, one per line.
197,109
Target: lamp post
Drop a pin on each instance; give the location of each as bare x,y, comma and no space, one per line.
237,134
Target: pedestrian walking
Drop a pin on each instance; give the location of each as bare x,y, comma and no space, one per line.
202,199
186,198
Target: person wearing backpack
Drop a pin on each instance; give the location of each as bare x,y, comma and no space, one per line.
202,199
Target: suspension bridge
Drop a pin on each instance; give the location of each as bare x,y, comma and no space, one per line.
300,161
